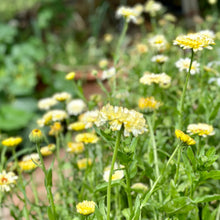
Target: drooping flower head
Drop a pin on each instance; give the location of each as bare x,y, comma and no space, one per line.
7,181
195,41
62,96
201,129
86,207
184,137
47,150
29,162
77,126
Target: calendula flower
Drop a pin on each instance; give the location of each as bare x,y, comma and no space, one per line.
103,63
108,38
161,78
85,207
76,107
159,59
153,7
148,103
47,150
7,181
74,147
12,141
128,13
118,173
62,96
70,76
86,138
201,129
83,163
108,73
36,136
54,115
142,48
184,137
183,65
132,121
196,41
55,129
46,103
159,43
77,126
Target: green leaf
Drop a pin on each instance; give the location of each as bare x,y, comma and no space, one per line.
191,156
50,213
49,177
103,186
207,198
12,118
213,174
214,112
98,213
137,209
178,205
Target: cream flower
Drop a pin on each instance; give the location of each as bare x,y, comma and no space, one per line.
108,73
128,13
183,65
158,42
62,96
46,103
76,107
153,7
85,207
118,173
201,129
7,181
159,58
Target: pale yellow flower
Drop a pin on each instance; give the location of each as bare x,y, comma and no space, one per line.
159,59
86,138
152,7
183,65
108,38
12,141
142,48
148,103
76,107
83,163
47,150
158,42
108,73
201,129
128,13
103,63
161,78
196,41
77,126
184,137
46,103
74,147
118,173
86,207
62,96
55,129
139,187
7,181
36,136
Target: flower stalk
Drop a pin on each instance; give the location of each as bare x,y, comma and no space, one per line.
117,143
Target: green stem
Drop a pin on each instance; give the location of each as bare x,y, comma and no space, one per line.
111,172
178,166
155,155
158,179
36,198
182,100
48,188
128,189
122,36
3,158
26,212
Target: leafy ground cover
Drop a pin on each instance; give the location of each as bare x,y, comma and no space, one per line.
145,148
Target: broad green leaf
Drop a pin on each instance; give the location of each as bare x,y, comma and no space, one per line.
207,198
178,206
49,177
